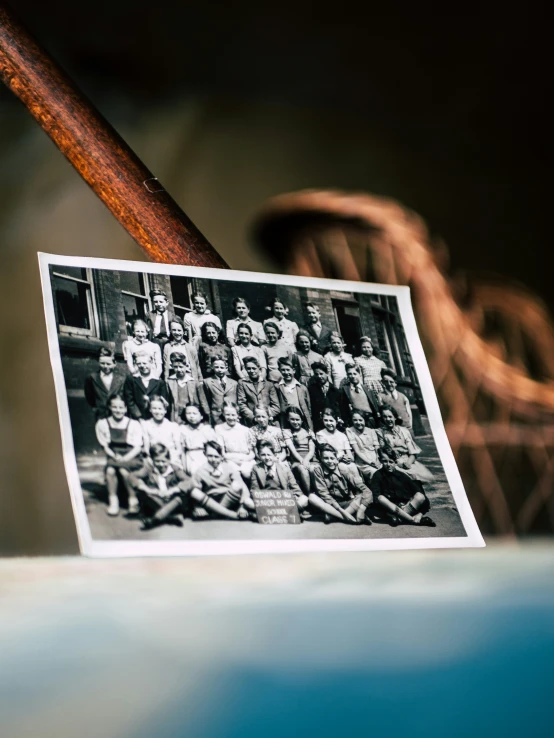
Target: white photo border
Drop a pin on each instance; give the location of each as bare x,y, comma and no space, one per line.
132,548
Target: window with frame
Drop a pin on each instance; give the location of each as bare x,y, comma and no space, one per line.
181,291
74,299
135,297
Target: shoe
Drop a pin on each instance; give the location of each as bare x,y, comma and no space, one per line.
394,522
134,508
305,515
428,522
113,509
148,523
174,520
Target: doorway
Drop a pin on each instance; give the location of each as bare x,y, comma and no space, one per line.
348,321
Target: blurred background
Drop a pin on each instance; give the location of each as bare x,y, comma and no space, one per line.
231,105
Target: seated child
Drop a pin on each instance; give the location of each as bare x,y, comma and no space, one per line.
234,439
365,444
184,389
138,390
139,343
121,438
262,431
402,498
269,473
335,438
159,430
300,442
256,391
156,484
339,493
103,384
195,433
218,390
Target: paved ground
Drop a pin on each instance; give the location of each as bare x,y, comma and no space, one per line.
103,527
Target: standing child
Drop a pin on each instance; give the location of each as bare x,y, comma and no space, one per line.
262,431
234,439
121,438
138,390
210,348
158,429
391,397
288,328
337,358
364,442
245,349
256,391
200,315
274,350
179,344
329,435
159,318
100,386
300,443
370,366
218,390
323,394
184,389
304,357
195,433
241,310
139,343
291,392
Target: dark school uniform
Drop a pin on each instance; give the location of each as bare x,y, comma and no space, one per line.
137,395
98,395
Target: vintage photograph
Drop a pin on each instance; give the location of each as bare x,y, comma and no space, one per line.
203,407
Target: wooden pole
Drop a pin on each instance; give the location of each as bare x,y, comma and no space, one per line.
98,153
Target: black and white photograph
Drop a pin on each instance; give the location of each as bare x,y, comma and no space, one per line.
210,412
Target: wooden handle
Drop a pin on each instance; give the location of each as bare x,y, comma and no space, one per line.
98,153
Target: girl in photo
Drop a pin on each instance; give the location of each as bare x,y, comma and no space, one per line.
241,310
211,348
200,315
365,444
262,431
140,343
245,349
234,439
395,436
179,344
304,357
391,397
337,359
121,439
274,350
370,366
194,434
158,429
300,443
288,328
329,435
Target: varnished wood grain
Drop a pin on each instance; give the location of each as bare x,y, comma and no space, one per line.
98,153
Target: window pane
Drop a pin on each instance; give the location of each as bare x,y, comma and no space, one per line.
134,308
76,272
71,303
132,282
180,291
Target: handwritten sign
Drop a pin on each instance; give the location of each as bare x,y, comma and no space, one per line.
276,507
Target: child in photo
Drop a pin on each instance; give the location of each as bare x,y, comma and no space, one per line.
201,314
300,443
184,389
256,391
329,435
291,392
139,389
337,358
121,438
139,343
262,431
194,433
356,396
288,328
365,444
269,473
323,395
218,390
318,333
159,318
370,366
234,439
339,492
403,498
241,310
245,349
158,429
210,348
391,397
156,484
217,488
304,357
395,436
103,384
274,350
179,344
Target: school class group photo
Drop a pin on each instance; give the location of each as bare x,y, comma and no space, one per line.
201,419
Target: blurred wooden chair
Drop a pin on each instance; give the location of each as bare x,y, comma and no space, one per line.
490,346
